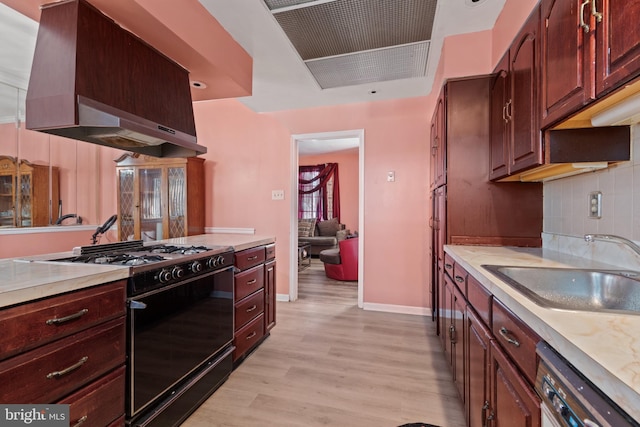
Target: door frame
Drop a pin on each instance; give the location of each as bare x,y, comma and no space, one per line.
293,206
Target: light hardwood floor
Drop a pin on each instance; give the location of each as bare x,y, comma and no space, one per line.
329,363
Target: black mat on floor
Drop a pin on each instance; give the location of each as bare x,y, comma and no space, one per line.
417,425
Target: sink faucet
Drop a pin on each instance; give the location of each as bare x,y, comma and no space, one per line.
612,238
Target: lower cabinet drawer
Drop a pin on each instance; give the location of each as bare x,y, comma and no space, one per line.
33,324
516,338
249,308
50,372
100,403
249,281
248,336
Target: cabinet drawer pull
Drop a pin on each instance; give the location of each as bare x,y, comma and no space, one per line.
252,258
80,421
250,309
58,374
60,320
449,266
252,281
459,279
504,332
251,335
584,26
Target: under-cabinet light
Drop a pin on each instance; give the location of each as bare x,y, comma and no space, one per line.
626,111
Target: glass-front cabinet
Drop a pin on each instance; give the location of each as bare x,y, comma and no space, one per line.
159,198
24,193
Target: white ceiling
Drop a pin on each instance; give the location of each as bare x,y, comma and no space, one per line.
281,81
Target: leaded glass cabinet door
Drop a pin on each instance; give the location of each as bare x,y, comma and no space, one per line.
7,191
26,199
177,181
126,212
152,204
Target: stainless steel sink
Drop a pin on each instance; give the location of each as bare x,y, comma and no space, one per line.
575,289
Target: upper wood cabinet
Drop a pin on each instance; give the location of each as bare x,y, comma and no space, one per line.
567,50
588,50
439,143
518,139
617,42
159,198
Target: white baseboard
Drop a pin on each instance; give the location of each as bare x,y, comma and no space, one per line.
401,309
282,297
229,230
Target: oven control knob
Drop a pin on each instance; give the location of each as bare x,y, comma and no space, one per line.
177,272
211,262
220,260
164,276
196,267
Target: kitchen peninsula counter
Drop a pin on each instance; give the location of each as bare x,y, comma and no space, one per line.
605,347
29,278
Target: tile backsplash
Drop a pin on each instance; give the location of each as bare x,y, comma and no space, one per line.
566,200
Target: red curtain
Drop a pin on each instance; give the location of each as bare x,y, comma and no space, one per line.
317,188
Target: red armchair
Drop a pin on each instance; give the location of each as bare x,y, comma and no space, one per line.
342,263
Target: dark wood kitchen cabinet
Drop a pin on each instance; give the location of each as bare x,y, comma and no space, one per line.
69,349
515,101
438,144
453,321
159,198
254,296
470,209
497,376
587,52
270,287
617,42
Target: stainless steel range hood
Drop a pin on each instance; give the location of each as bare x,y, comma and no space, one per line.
104,125
93,81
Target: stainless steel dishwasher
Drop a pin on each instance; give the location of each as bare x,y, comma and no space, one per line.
571,400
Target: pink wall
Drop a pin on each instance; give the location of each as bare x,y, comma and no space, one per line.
348,173
249,155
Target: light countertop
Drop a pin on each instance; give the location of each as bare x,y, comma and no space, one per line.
28,278
604,347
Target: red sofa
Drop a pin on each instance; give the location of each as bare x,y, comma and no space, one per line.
341,264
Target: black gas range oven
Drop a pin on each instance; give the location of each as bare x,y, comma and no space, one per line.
180,325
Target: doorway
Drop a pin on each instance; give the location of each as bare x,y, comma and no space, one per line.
296,140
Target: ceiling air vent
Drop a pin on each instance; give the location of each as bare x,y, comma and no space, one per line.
350,42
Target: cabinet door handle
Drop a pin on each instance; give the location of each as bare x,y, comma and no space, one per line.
452,333
594,11
252,281
80,421
504,113
58,374
459,279
251,335
58,321
504,332
484,413
449,266
508,110
250,309
584,26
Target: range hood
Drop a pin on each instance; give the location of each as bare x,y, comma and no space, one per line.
93,81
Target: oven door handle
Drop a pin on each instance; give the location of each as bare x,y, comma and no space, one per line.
137,305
